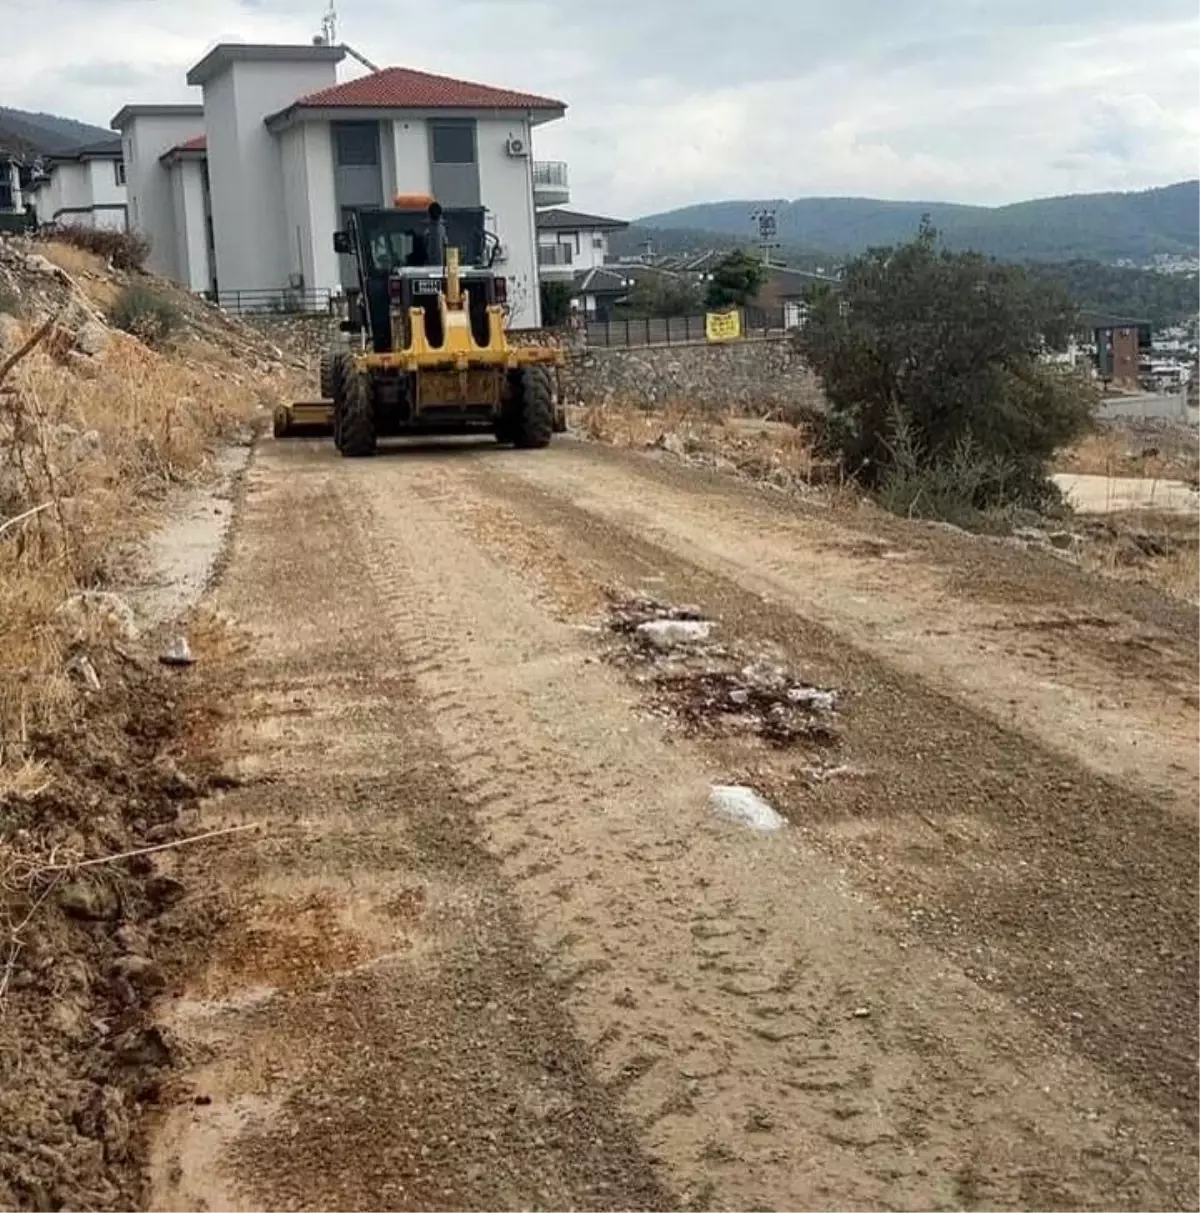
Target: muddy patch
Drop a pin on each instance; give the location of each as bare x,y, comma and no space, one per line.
706,688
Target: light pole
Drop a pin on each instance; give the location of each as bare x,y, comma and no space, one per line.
764,218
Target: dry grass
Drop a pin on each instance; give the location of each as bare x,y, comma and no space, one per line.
95,444
87,269
773,451
1171,453
1158,548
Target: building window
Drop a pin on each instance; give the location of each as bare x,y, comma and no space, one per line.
597,242
453,141
119,171
357,144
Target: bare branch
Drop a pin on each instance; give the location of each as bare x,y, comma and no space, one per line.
37,509
28,348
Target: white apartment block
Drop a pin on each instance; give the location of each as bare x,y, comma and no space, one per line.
242,193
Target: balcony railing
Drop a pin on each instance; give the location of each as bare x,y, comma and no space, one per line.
555,254
550,173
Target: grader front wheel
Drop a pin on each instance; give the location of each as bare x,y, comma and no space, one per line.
356,432
532,421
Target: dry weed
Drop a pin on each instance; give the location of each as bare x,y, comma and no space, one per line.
1122,451
760,448
1162,549
87,452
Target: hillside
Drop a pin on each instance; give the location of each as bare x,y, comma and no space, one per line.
1097,227
36,134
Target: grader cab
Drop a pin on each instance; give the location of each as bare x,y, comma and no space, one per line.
429,350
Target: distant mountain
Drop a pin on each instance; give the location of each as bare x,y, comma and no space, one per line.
34,134
1097,227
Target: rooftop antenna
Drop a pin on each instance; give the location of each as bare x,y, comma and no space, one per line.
329,25
328,37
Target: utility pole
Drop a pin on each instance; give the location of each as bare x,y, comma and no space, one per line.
764,218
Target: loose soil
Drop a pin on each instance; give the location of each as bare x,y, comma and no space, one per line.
490,948
87,949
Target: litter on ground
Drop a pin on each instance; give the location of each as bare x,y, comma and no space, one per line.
745,807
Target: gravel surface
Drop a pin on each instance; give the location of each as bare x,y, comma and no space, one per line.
493,949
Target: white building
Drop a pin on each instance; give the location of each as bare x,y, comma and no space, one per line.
193,254
148,133
288,150
570,242
83,186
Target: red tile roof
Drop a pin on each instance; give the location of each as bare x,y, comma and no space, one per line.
403,88
194,147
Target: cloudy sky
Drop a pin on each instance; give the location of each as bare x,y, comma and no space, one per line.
678,101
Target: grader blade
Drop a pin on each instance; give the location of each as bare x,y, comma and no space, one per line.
304,419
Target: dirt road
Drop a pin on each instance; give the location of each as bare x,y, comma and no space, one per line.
492,948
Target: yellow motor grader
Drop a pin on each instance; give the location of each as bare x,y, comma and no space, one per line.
428,350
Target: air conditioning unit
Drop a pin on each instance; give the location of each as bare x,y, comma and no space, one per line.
516,146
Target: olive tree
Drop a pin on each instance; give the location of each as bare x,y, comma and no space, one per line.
932,365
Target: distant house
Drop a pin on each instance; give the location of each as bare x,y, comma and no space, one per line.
288,151
784,290
571,242
83,185
598,291
1120,344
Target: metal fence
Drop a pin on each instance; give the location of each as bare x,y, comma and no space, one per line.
17,221
634,331
276,301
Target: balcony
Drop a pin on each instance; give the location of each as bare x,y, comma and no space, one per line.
550,186
556,261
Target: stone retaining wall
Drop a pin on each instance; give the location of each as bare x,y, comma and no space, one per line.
766,374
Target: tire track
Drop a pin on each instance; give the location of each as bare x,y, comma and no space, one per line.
373,973
718,976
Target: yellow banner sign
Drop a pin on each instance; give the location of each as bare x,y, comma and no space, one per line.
723,326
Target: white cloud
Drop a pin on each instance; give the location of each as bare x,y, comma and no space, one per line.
674,101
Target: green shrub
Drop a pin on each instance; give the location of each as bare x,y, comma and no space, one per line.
556,303
145,313
126,250
965,486
735,281
931,362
